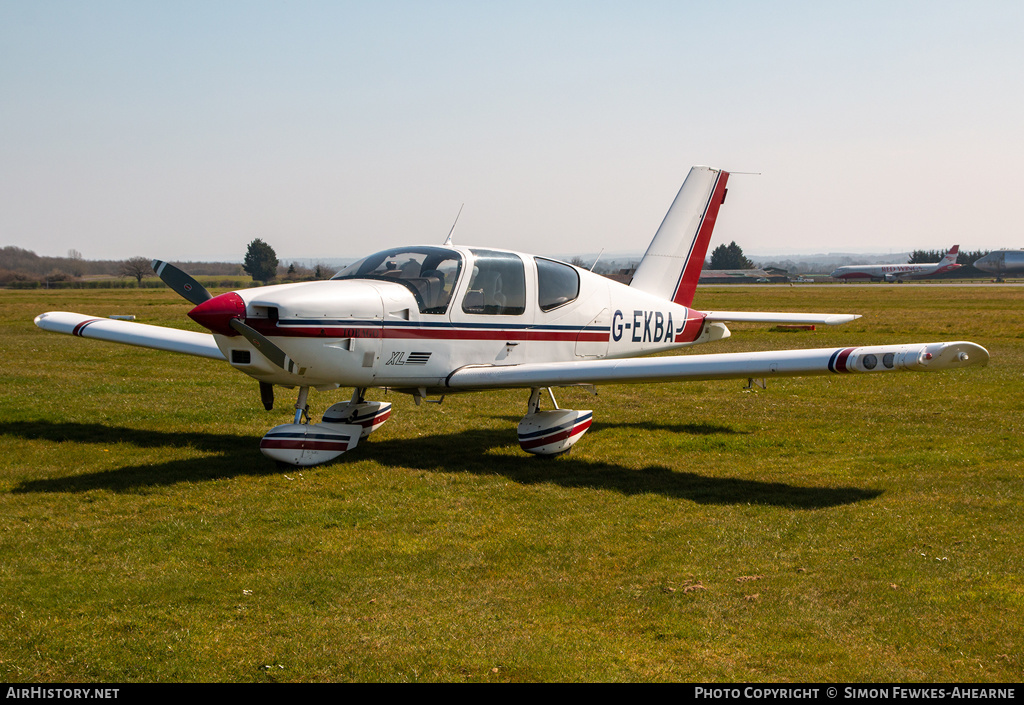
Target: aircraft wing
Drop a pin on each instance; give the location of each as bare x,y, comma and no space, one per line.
130,333
919,357
830,319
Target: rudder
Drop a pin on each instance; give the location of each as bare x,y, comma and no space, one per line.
671,266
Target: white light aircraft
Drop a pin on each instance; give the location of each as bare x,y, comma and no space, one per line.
898,272
436,320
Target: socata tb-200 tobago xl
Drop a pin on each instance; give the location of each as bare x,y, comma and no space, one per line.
429,320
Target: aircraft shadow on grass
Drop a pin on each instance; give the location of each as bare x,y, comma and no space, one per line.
466,451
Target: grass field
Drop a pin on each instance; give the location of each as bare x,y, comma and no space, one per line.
824,529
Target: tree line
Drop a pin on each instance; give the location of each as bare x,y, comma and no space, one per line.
19,266
22,267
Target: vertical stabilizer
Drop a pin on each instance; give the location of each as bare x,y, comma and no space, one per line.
671,266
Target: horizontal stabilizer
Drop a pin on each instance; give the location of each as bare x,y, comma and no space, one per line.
829,319
920,357
129,333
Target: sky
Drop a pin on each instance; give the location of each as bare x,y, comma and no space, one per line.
183,130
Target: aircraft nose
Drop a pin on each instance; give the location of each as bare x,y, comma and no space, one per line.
215,314
988,263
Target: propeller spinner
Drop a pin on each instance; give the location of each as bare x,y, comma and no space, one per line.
222,314
225,314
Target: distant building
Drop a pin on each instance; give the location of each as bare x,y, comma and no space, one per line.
623,276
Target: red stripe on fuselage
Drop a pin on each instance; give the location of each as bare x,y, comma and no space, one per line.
499,334
427,333
692,328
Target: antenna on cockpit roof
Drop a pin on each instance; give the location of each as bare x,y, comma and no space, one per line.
448,240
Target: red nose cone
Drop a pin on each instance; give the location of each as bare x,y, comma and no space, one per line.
216,313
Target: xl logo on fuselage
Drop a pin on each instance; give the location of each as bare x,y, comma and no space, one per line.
646,327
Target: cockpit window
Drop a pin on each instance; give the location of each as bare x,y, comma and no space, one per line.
429,272
557,284
498,286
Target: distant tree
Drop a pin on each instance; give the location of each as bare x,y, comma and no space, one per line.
729,257
57,275
298,272
75,263
926,256
137,267
322,272
260,261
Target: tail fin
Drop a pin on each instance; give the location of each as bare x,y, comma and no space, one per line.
951,255
673,261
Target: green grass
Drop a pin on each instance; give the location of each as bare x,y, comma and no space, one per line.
825,529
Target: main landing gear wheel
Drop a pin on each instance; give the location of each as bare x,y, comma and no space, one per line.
550,433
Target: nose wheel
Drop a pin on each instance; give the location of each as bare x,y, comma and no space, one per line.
302,443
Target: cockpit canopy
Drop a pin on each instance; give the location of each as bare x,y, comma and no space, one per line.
497,279
430,273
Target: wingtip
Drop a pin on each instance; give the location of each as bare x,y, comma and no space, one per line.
841,318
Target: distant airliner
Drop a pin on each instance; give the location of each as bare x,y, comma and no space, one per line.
1002,263
898,272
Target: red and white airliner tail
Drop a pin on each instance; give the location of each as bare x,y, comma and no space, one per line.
673,261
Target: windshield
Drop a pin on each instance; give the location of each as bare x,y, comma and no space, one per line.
429,272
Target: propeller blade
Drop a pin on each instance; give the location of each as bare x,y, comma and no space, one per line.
270,351
181,282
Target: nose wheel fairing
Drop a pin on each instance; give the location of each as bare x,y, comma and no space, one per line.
306,444
342,427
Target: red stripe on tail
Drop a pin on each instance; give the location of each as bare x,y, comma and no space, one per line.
695,262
